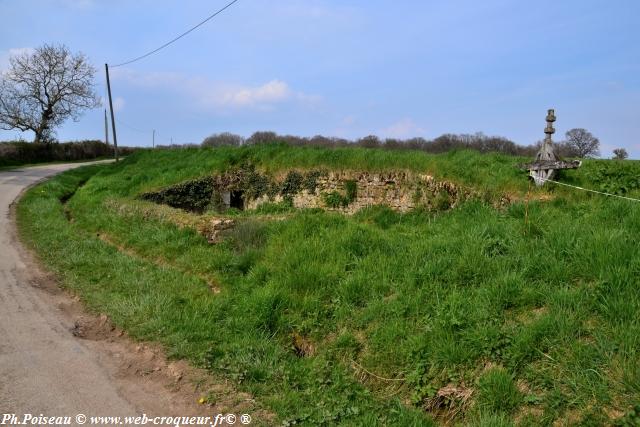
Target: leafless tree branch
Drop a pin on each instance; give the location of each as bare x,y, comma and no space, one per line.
583,143
43,89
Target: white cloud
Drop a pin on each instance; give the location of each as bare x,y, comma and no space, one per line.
269,93
402,129
15,51
216,95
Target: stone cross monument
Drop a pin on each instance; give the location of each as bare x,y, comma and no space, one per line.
546,163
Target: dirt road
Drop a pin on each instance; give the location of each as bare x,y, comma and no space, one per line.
45,368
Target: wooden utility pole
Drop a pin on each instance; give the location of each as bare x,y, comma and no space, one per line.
106,127
153,141
113,121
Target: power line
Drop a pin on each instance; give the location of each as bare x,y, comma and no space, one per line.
131,127
591,191
178,37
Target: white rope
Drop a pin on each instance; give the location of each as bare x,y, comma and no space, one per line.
591,191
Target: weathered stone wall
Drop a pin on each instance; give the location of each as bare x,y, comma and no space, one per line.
344,191
401,191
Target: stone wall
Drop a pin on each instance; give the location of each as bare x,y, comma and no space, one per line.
343,191
401,191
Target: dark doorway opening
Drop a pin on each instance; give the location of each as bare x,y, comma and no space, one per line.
235,200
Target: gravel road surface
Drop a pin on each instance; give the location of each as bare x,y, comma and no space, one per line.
44,367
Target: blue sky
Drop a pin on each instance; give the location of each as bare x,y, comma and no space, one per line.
349,68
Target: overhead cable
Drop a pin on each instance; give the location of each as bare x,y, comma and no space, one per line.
591,191
176,38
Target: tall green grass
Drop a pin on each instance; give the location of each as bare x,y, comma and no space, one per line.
537,317
493,171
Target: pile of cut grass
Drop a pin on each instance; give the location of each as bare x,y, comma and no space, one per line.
475,315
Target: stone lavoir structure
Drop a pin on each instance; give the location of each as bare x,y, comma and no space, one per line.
343,191
347,192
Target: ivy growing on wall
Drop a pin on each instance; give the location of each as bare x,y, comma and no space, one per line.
292,184
310,181
335,199
194,195
205,193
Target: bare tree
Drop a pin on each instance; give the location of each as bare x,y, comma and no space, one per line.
220,139
564,149
44,88
620,154
370,141
262,137
583,142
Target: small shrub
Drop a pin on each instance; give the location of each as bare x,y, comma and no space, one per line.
336,200
291,184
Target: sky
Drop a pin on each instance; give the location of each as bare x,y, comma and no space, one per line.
348,68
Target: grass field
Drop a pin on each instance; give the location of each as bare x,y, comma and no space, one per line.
527,315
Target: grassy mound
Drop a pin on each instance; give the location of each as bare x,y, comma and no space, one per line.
479,316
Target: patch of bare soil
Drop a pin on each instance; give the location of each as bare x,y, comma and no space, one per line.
449,402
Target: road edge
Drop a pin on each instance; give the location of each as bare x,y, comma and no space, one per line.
130,364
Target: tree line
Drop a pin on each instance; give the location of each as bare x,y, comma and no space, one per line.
579,143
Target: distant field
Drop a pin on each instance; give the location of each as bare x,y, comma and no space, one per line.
529,315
